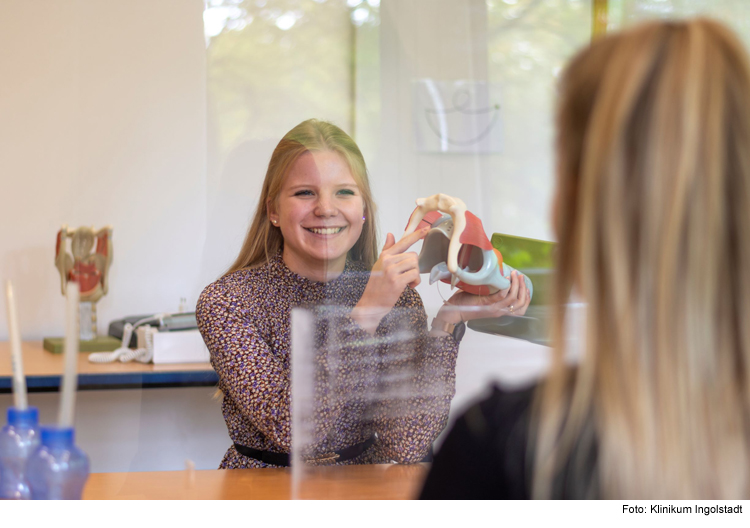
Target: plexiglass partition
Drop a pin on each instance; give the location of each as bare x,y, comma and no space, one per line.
361,398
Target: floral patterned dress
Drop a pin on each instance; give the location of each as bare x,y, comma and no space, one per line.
395,386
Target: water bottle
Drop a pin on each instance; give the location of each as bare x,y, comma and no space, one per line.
58,469
18,440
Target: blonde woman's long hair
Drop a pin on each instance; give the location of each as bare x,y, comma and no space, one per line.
264,240
653,223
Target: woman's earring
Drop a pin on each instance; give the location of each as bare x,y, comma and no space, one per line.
363,218
274,222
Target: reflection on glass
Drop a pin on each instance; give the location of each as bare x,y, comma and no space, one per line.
271,64
528,42
366,399
735,13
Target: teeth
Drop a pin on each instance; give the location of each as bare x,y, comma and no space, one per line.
325,231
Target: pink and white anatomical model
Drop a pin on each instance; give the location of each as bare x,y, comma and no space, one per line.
456,249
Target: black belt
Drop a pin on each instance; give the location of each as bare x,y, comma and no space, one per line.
282,459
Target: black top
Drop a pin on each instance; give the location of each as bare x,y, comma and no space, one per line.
485,455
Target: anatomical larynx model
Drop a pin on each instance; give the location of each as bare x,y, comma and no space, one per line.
87,266
456,249
88,269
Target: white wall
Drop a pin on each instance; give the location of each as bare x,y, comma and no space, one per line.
102,121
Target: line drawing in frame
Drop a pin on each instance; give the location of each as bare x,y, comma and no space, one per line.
457,116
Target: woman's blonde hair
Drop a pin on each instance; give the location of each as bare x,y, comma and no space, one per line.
653,222
264,240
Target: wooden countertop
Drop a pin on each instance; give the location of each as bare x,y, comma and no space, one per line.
43,370
382,482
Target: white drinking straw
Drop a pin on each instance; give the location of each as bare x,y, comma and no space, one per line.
70,352
19,382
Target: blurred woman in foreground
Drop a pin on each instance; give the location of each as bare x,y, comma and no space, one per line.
652,216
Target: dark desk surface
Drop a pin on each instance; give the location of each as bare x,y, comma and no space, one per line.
383,482
534,326
43,370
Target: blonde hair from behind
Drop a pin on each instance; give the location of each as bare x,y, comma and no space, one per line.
653,223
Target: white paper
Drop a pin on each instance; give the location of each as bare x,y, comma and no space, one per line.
457,116
186,346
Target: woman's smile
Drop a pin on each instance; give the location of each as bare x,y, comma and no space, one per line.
325,231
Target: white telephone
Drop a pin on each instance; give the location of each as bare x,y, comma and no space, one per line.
144,353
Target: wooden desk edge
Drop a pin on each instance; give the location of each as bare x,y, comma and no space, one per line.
43,370
382,482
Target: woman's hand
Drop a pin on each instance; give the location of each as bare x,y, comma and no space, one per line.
394,270
464,306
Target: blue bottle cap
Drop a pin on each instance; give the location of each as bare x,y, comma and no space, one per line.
54,436
25,418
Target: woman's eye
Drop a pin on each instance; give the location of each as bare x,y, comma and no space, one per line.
348,192
303,193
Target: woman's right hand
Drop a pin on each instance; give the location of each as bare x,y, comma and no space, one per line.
394,270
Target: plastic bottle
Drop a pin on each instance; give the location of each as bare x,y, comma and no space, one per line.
58,469
18,440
